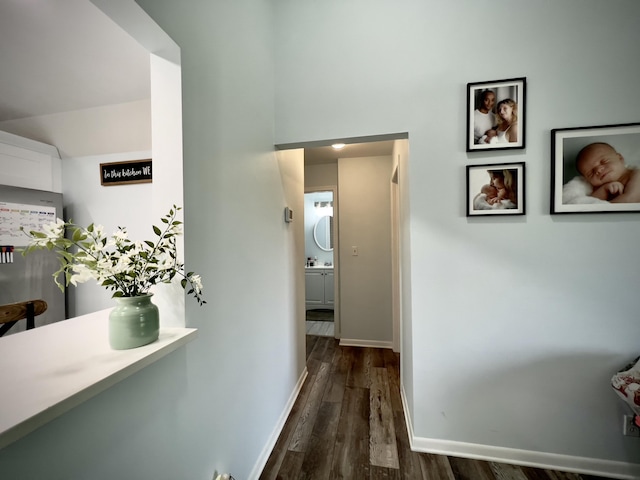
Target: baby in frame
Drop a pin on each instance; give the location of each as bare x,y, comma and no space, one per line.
599,172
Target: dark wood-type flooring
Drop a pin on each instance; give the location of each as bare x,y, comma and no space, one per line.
348,423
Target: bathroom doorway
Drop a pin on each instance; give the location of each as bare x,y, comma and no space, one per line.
320,224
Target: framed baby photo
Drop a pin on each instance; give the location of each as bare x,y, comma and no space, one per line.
595,169
495,189
496,114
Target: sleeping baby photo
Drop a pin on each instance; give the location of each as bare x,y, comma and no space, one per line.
596,170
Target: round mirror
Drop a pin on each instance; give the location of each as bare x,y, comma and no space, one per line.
323,233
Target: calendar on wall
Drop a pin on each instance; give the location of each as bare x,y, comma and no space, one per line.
13,216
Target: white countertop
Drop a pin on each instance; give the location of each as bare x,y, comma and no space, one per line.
51,369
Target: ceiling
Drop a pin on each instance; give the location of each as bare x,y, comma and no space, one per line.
64,55
320,155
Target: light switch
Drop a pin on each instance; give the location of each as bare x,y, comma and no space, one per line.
354,251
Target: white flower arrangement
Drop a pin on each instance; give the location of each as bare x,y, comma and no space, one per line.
128,268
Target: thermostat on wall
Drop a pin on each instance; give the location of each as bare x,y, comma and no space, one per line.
288,215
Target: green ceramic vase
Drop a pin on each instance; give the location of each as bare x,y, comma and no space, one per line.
133,322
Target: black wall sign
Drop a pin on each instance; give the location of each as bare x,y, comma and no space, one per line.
120,173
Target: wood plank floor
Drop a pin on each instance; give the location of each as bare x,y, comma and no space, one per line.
348,423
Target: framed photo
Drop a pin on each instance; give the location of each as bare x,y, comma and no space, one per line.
595,169
495,189
496,114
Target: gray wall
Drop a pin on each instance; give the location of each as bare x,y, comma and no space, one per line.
365,222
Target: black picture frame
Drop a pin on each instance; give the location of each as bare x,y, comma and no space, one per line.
513,92
479,197
573,192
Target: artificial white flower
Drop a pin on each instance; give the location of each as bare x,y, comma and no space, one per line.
54,230
81,274
196,281
117,263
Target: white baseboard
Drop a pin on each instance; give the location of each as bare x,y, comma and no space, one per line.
528,458
268,448
348,342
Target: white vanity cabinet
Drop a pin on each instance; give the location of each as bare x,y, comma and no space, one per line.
319,287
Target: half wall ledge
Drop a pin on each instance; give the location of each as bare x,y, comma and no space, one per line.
51,369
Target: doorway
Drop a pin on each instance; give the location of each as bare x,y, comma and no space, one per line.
367,263
320,224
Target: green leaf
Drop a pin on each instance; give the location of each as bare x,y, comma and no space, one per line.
77,235
157,230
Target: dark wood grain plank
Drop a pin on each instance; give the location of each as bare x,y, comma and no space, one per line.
351,454
358,375
554,475
382,473
435,467
383,451
338,379
594,477
468,469
310,342
409,460
291,464
323,349
304,426
535,473
279,451
319,455
504,471
376,357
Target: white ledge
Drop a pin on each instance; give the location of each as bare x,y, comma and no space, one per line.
51,369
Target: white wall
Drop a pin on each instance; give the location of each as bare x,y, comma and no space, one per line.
365,223
514,334
400,159
86,201
291,164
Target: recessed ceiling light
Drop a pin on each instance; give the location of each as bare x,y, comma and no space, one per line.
338,146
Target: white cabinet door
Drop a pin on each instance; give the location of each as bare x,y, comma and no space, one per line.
314,287
328,288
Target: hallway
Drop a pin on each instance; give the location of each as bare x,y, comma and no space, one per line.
348,423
